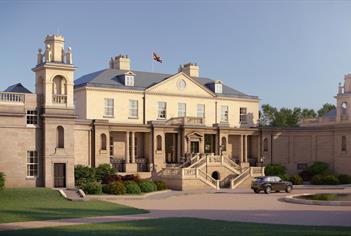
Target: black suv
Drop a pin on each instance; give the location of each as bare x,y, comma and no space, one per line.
271,183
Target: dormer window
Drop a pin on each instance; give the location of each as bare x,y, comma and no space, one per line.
218,87
128,80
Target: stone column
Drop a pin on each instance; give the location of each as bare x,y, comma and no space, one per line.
245,152
127,147
241,149
132,158
179,140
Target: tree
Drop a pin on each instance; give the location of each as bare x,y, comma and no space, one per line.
308,114
325,109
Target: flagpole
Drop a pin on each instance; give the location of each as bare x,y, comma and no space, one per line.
152,62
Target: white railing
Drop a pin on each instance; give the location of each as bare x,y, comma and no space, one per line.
256,171
231,163
12,97
59,99
208,179
189,172
240,178
186,121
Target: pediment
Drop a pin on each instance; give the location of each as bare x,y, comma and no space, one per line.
182,85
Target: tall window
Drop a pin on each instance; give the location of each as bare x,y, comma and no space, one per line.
32,163
129,80
201,110
103,142
109,107
159,142
265,144
59,85
224,144
243,115
181,109
162,110
224,113
133,108
60,143
32,117
343,144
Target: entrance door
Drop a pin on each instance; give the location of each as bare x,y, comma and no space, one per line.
59,175
171,148
194,147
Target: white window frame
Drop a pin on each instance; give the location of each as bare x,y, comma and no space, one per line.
108,107
224,113
218,88
32,164
129,80
133,108
181,109
243,115
32,117
201,110
162,110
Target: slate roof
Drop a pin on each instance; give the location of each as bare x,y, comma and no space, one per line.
110,78
17,88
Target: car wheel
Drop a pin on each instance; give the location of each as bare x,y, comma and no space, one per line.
268,190
288,189
256,191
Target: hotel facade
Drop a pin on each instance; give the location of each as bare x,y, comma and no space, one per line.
190,131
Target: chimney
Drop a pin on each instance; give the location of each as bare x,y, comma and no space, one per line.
121,62
190,69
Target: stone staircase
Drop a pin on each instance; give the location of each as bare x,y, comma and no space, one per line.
73,194
195,168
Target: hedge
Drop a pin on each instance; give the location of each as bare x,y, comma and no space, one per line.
161,185
296,180
275,170
132,187
344,179
116,188
318,168
2,181
147,186
92,187
103,171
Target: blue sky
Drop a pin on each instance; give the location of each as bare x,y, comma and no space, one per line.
287,53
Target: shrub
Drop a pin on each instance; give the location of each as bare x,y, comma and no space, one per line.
92,187
161,185
275,170
147,186
116,188
344,179
330,180
317,179
103,171
318,168
296,179
132,187
111,178
134,178
2,181
83,174
325,180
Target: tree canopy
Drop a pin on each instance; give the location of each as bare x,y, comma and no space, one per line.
285,117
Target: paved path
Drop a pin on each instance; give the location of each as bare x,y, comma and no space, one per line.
239,205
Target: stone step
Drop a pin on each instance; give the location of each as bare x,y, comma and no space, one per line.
73,194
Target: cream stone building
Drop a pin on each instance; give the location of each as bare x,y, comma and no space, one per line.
188,130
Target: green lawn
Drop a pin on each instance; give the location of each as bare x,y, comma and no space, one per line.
45,204
184,226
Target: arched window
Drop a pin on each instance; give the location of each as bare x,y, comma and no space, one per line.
60,143
343,144
59,85
103,142
224,144
265,144
344,108
159,142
